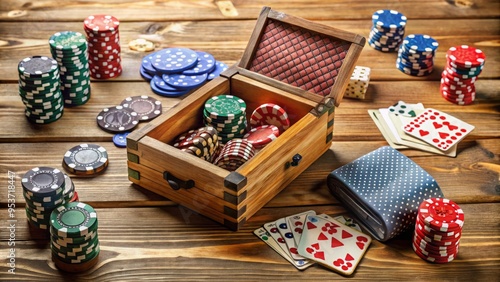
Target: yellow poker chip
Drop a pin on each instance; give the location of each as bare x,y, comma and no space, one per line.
141,45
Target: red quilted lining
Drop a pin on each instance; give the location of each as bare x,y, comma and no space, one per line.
299,57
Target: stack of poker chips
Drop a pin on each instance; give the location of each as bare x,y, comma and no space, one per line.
416,55
86,159
464,64
69,48
202,142
174,72
73,237
43,190
70,195
234,154
387,31
438,229
271,114
103,46
358,84
262,135
227,114
39,89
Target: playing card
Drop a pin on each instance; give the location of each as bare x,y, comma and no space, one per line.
266,237
344,220
286,233
379,121
438,129
401,108
296,224
272,228
333,244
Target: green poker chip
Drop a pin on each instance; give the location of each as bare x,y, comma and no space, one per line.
74,219
73,242
75,248
79,259
68,41
225,107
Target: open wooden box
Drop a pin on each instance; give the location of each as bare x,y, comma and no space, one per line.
300,65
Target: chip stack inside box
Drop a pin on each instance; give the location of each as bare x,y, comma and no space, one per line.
73,237
464,64
69,48
39,89
358,84
104,46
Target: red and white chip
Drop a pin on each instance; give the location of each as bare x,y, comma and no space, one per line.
270,114
466,56
262,135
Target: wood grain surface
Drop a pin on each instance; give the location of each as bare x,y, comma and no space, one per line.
146,236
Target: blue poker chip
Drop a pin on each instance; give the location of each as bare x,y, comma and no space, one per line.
420,44
206,64
187,82
164,93
174,60
162,85
219,68
120,139
388,20
146,64
145,74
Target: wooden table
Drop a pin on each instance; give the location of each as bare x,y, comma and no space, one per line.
146,236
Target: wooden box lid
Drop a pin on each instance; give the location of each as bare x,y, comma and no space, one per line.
301,57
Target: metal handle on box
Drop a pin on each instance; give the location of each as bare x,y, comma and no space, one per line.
295,161
176,183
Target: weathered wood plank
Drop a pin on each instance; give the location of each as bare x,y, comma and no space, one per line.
50,10
171,243
231,37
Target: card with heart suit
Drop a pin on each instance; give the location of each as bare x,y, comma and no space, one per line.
272,228
438,129
296,223
333,244
266,238
286,233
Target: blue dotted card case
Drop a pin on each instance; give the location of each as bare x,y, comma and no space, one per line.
383,189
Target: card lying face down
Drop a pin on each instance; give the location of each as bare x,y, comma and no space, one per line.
332,244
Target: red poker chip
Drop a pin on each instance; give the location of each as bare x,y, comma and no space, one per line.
441,214
101,23
262,135
432,241
270,114
437,254
75,197
458,91
430,247
455,66
457,80
431,258
461,103
427,230
453,73
466,56
436,237
459,98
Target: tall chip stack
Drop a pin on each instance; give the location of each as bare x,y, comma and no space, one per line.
416,55
43,191
69,48
103,46
73,237
39,89
387,31
227,114
464,64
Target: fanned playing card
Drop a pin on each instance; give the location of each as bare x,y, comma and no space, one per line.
266,237
406,110
438,129
333,244
296,223
272,228
344,220
286,233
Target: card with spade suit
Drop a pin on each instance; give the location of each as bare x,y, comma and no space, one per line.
332,244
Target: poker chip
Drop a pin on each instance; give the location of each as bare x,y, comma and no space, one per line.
86,159
74,240
120,140
174,72
227,114
103,46
416,55
40,89
388,27
463,66
202,142
147,108
141,45
270,114
438,229
117,119
262,135
234,154
69,49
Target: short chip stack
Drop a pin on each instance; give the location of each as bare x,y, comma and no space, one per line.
358,84
262,135
39,89
174,72
43,190
438,230
86,159
464,64
387,31
104,46
234,154
202,142
227,114
73,237
69,48
271,114
416,55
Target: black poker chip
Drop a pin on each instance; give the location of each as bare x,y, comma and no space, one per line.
117,119
147,108
86,159
43,181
